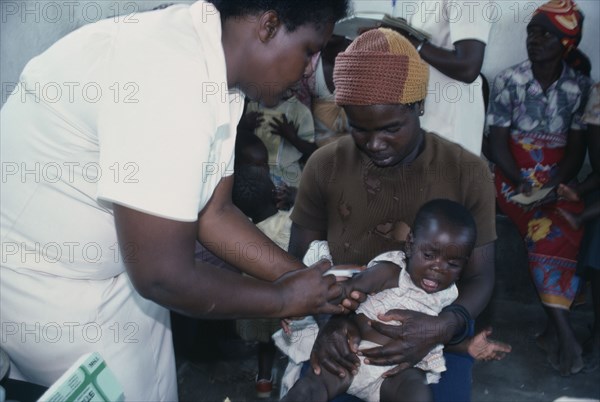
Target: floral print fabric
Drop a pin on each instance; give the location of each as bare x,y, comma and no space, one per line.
534,117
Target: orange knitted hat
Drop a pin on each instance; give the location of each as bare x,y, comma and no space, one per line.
380,67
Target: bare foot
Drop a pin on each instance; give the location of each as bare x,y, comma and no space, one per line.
568,193
568,360
571,218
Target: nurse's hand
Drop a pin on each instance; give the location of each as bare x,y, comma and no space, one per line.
306,291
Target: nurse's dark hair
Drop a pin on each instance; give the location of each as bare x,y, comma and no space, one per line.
293,13
448,212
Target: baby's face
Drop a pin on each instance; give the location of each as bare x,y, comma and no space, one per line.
437,257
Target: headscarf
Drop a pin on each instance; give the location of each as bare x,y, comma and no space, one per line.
564,19
561,18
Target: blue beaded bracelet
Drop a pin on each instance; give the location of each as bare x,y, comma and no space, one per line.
464,313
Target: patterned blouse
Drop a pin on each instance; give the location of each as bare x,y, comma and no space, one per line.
518,101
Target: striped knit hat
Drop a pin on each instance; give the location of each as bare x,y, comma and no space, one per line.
561,18
380,67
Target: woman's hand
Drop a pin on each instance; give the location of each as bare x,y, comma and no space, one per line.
335,348
550,198
413,339
481,347
524,187
568,193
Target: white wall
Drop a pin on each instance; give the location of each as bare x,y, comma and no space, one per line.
28,27
506,45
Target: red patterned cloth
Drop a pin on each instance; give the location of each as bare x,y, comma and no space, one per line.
551,242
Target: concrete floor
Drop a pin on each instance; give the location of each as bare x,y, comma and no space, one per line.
226,367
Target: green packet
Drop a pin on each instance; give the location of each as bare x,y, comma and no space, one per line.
88,380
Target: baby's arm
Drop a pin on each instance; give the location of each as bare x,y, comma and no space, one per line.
383,275
480,347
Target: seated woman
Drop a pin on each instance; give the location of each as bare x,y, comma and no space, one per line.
362,192
537,141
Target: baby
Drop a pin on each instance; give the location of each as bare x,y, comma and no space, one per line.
421,279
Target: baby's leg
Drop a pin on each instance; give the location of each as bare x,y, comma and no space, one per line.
408,385
317,388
